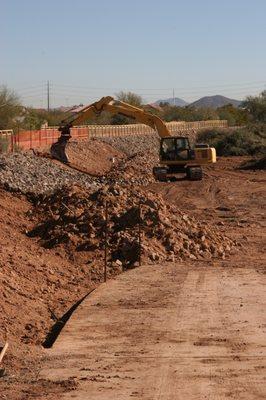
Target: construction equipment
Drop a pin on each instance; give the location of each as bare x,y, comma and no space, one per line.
176,153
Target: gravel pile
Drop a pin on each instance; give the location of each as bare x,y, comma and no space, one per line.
131,145
143,154
136,170
75,218
135,157
26,173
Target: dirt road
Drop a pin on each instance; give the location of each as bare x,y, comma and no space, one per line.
173,332
179,331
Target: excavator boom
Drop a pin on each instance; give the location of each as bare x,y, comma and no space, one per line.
58,149
176,154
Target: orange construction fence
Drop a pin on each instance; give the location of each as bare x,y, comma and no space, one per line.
40,139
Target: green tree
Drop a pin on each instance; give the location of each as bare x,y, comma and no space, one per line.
130,98
256,106
10,108
174,113
33,118
234,115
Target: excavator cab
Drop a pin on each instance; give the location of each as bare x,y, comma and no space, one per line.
178,156
175,149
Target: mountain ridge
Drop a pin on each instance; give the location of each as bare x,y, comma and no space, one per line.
177,101
214,101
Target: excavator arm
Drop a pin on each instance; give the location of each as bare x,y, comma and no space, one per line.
113,107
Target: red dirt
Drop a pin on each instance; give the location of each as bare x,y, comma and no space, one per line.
189,330
35,280
93,156
177,331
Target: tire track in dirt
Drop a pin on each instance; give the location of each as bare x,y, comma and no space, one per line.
170,334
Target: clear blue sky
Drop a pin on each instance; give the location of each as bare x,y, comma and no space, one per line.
87,49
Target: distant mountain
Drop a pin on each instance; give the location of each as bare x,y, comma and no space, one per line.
173,101
215,102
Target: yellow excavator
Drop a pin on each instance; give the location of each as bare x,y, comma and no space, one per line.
176,153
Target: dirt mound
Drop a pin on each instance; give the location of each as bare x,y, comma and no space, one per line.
94,162
124,160
135,170
37,285
93,156
75,218
254,164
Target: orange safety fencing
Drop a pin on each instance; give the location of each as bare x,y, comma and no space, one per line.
40,139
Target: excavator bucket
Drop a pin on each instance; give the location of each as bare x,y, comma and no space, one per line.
58,149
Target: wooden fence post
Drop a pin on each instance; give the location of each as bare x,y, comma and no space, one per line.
105,242
140,234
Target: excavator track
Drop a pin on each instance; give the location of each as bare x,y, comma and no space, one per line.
194,173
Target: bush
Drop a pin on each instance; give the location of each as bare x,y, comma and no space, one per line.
130,98
10,108
256,106
250,140
233,115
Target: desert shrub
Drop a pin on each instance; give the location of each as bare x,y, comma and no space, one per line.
256,106
233,115
249,140
10,108
210,136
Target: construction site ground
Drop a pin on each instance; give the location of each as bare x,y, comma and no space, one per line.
171,332
191,329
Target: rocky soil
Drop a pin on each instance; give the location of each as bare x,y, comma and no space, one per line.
127,160
75,218
131,145
26,173
51,252
94,157
37,286
136,170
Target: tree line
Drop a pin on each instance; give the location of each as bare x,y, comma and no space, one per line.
13,115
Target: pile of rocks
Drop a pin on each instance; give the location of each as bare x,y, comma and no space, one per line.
131,145
135,170
27,173
75,218
142,155
134,159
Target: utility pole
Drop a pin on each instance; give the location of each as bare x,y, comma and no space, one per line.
173,97
48,96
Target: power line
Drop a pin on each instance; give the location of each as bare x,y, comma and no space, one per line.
159,89
72,92
81,94
78,88
30,88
